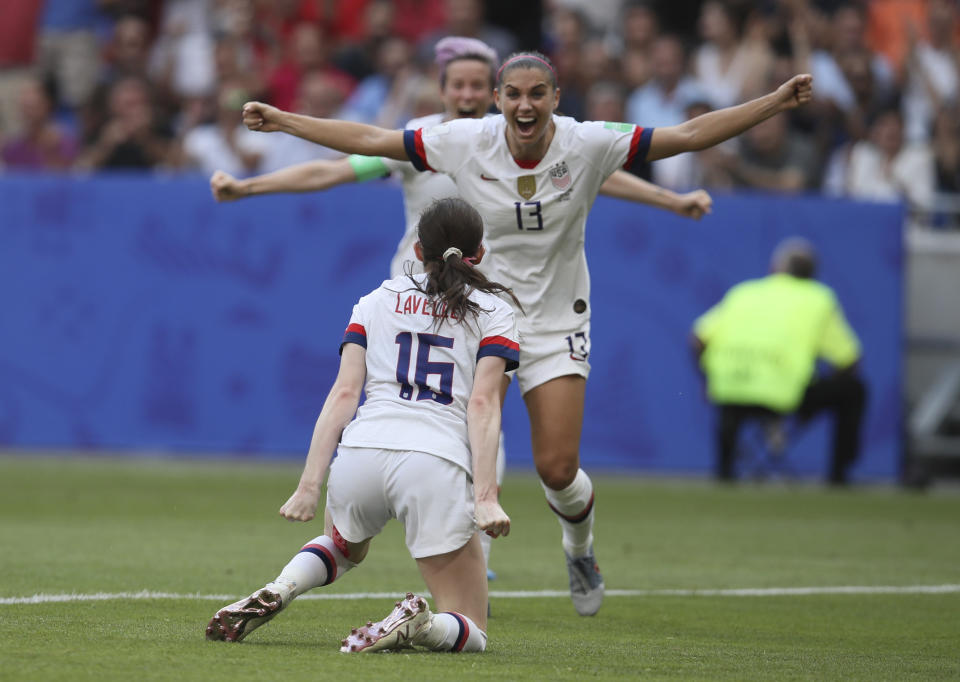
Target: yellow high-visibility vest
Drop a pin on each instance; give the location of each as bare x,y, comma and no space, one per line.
763,340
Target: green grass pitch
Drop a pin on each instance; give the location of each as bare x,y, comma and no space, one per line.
86,526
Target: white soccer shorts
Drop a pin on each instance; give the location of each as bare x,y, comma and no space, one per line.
432,498
548,356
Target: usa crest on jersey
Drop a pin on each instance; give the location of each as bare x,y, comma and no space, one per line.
560,175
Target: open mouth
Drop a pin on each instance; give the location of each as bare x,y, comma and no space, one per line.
467,112
526,124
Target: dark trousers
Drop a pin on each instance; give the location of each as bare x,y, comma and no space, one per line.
842,393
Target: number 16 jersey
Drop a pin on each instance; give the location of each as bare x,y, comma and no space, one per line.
420,375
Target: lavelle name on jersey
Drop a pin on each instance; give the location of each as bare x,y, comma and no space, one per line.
413,304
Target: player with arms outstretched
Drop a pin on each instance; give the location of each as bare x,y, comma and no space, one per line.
429,350
467,71
534,175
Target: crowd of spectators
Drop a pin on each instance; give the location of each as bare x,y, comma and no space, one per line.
157,84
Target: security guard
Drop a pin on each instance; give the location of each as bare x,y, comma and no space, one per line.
758,349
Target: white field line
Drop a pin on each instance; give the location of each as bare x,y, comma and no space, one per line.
520,594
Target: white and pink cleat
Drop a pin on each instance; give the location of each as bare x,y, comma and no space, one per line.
396,631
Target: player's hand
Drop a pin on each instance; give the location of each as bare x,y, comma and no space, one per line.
695,204
225,187
491,518
302,506
261,117
796,91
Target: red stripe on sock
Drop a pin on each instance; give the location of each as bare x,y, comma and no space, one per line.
340,543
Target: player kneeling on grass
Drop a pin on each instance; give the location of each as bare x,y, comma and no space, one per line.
429,350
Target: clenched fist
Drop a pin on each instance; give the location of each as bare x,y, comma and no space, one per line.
225,187
261,117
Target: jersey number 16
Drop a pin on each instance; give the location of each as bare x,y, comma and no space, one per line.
424,367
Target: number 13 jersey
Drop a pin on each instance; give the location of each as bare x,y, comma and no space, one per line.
534,217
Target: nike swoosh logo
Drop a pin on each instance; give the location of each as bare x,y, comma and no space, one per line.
484,177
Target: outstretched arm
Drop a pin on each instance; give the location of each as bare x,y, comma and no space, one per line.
627,186
715,127
312,176
338,410
345,136
483,429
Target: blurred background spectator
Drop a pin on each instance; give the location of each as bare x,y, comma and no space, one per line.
468,18
358,56
308,51
17,46
42,144
68,48
129,134
225,143
664,98
385,97
931,70
888,168
734,54
640,27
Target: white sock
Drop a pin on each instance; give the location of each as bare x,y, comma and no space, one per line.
574,508
318,563
451,632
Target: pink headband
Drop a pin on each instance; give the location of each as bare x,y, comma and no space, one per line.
526,56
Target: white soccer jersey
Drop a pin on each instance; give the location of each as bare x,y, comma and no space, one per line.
419,191
534,218
420,376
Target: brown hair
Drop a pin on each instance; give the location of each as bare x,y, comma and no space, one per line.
450,233
528,60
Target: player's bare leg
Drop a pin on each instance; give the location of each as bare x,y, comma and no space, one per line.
458,582
556,421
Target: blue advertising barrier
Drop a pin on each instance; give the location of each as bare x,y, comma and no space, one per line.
140,315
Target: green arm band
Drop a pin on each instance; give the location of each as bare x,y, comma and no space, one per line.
368,167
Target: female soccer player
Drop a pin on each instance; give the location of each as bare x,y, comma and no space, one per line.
534,176
430,351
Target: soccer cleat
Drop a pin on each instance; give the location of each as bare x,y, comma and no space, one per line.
586,583
396,631
234,622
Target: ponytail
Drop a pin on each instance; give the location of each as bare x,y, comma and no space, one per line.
448,229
